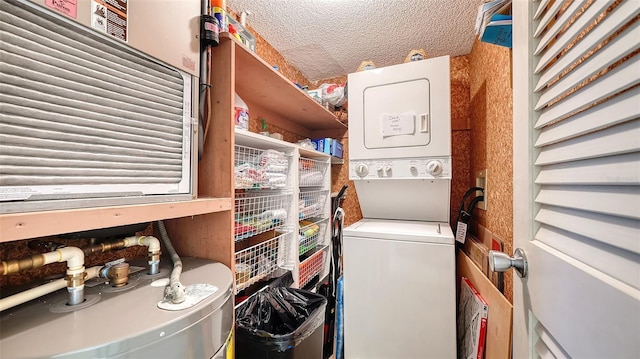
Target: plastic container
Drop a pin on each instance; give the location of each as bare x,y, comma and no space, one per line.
241,114
283,323
241,33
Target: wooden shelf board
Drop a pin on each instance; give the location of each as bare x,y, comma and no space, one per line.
18,226
257,82
256,140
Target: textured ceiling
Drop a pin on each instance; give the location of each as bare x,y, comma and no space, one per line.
328,38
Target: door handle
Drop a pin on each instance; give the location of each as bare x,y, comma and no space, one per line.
500,262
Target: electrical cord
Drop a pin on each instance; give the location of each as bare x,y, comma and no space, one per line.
468,193
465,215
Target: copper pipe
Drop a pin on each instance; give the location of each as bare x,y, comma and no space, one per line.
104,247
20,264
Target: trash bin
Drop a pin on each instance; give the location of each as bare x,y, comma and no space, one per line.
282,323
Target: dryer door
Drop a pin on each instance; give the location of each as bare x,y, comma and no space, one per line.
400,111
397,114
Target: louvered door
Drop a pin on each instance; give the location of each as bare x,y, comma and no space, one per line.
577,178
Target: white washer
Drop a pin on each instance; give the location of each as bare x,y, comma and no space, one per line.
399,298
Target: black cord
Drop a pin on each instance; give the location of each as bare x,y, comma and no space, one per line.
468,193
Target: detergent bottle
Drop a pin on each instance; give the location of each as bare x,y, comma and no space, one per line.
241,114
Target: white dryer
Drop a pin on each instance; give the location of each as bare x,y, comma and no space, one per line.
400,140
399,266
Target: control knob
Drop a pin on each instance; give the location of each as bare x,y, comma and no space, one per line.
435,168
362,170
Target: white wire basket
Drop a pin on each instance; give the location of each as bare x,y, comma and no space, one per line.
256,168
311,204
311,266
262,260
312,233
258,212
311,172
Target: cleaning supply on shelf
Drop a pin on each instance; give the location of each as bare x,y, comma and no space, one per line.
241,114
234,33
263,127
218,8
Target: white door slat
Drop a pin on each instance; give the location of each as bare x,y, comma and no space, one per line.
620,78
548,16
557,26
612,112
542,351
541,7
549,342
621,170
622,14
616,49
616,231
616,263
614,140
622,201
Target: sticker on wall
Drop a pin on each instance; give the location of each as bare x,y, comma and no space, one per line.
110,17
67,7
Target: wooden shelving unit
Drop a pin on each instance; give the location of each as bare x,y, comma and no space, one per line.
272,96
46,223
269,95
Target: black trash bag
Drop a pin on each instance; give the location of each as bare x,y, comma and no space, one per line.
277,320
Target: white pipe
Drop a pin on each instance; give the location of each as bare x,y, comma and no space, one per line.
74,257
153,245
27,295
152,242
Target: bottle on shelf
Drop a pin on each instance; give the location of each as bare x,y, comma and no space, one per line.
241,114
218,9
263,128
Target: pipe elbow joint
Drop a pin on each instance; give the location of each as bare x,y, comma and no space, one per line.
152,242
74,257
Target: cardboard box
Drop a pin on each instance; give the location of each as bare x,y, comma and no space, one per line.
336,148
322,145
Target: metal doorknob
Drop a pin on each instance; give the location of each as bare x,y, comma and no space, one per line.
500,262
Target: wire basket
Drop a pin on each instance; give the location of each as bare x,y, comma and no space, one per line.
311,204
312,233
311,172
256,168
258,262
310,267
258,212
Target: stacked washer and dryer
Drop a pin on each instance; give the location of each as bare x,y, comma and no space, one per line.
399,263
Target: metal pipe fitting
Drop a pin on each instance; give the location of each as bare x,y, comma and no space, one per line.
75,287
20,264
118,274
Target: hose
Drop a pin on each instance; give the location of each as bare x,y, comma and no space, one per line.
175,290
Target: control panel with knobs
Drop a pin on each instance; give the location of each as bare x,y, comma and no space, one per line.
435,168
362,170
425,168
